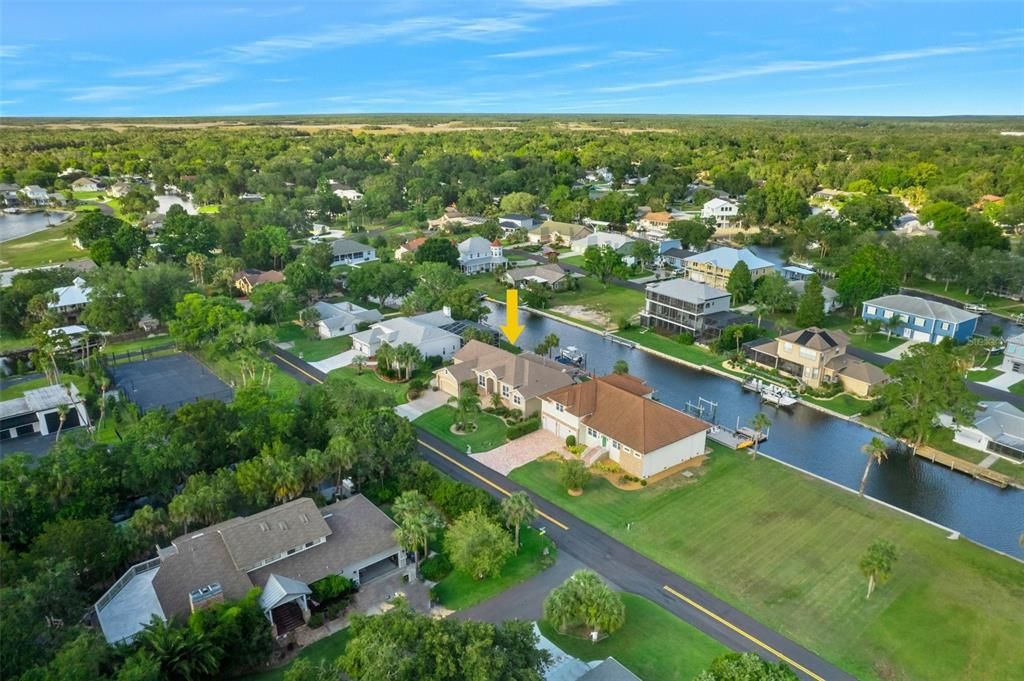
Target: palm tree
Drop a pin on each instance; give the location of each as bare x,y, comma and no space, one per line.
340,456
876,450
416,517
760,423
104,385
182,652
467,405
408,356
738,335
517,510
762,311
877,563
359,362
287,483
62,414
385,359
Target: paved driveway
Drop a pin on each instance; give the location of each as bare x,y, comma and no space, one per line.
428,401
519,452
338,361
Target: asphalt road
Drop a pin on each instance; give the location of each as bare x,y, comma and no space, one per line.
620,564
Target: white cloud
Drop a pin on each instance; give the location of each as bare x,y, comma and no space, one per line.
105,93
12,51
534,53
798,66
26,84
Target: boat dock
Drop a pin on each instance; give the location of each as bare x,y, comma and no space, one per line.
738,439
621,341
956,464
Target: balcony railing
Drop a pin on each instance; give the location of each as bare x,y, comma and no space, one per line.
130,573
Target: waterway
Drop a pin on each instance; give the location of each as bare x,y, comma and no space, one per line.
17,225
811,440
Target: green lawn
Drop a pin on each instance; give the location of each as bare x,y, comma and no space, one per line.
87,196
654,644
843,403
576,260
1014,470
785,548
982,375
47,247
228,369
957,292
325,650
215,208
875,342
19,389
140,344
489,433
9,343
1017,388
689,353
369,379
310,349
459,591
611,300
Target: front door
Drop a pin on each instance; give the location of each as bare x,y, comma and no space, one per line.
604,441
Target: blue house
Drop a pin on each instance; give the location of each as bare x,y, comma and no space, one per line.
922,320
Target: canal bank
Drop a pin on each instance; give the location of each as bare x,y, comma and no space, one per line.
809,439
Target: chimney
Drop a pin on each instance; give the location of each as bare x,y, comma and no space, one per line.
206,596
446,311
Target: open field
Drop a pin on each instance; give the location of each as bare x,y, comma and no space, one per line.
369,379
654,644
459,591
845,404
311,349
489,433
785,548
610,301
689,353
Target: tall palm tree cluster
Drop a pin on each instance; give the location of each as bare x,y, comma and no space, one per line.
402,360
416,518
467,406
585,600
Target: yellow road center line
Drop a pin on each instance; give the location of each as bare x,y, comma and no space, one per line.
754,639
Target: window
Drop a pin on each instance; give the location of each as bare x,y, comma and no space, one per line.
870,309
945,326
481,381
591,432
636,454
559,407
517,400
788,347
808,354
615,444
918,321
505,391
887,314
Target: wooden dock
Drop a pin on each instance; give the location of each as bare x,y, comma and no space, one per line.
966,467
735,439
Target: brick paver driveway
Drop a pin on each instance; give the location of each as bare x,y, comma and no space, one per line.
520,452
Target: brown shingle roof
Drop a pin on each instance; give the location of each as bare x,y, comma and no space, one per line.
660,216
857,369
617,408
528,373
201,559
269,533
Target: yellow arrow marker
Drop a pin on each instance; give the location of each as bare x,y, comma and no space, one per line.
512,327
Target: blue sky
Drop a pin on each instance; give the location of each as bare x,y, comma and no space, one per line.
604,56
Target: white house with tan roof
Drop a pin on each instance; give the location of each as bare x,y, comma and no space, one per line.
616,413
519,380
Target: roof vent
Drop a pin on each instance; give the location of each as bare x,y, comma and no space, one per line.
282,525
305,518
264,527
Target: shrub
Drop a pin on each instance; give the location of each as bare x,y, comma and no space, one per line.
625,322
436,568
454,499
316,620
685,339
570,440
520,429
331,588
574,475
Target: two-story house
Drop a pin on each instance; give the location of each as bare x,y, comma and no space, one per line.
349,252
817,357
655,224
510,222
920,319
722,211
71,300
683,306
616,413
519,380
1013,356
477,254
715,266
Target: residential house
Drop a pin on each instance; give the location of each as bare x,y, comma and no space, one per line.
551,231
282,550
409,248
71,300
655,223
795,273
608,669
350,252
452,217
715,266
9,194
678,306
552,276
817,357
616,413
250,197
998,428
477,254
614,239
37,412
1013,355
430,340
247,280
830,295
36,195
120,189
519,380
908,225
341,319
88,184
350,195
601,174
921,319
672,254
513,221
722,211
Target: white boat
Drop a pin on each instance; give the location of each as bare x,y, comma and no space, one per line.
571,355
777,395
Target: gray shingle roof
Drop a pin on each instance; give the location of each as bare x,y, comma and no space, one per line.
726,258
921,307
348,247
269,533
609,670
686,290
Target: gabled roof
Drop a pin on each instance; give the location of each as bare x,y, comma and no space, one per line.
609,670
401,330
660,216
76,294
264,535
473,245
617,406
613,239
816,339
687,290
857,369
922,307
717,203
550,273
566,229
280,590
1001,420
727,258
413,244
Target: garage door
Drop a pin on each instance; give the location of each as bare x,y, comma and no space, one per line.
53,420
922,336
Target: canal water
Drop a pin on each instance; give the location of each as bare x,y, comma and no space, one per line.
809,439
17,225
